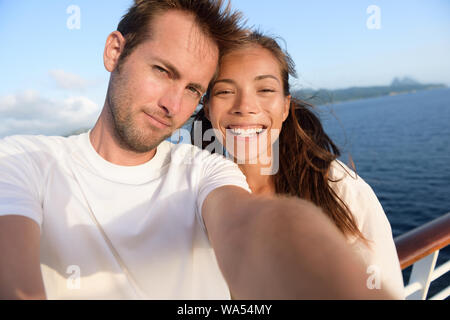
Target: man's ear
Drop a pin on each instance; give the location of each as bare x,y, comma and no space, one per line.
287,107
115,44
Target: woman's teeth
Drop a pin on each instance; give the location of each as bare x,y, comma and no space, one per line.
245,132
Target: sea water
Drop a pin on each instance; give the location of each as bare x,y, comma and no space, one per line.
401,147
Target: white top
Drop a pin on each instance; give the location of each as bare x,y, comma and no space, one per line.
150,213
383,267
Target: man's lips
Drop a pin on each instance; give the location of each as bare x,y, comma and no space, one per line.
157,121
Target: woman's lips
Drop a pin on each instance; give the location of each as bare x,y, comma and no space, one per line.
248,126
245,131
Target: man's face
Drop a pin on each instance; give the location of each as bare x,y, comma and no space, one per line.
160,83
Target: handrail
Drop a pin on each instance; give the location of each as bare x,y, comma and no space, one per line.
422,241
420,248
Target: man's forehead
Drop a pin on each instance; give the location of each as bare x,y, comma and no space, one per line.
183,29
177,37
176,40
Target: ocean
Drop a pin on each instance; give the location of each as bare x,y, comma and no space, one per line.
401,147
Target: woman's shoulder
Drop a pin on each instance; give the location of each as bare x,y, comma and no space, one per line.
372,222
357,194
342,177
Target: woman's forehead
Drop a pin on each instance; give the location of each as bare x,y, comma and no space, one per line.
251,59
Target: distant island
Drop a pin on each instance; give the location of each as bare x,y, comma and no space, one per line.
398,86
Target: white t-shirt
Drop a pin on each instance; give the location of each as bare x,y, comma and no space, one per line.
150,213
384,269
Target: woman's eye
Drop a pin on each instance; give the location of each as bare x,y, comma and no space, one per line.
223,92
266,90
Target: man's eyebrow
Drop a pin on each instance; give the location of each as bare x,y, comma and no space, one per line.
170,67
267,76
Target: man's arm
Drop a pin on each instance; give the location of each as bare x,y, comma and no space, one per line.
281,248
20,271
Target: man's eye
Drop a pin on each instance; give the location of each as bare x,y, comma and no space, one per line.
160,69
195,91
266,90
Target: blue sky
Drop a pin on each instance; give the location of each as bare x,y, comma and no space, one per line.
45,65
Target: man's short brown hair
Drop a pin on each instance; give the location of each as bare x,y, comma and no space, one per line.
219,22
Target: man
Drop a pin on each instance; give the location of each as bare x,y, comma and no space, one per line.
118,213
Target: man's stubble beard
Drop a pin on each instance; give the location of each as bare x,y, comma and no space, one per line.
126,132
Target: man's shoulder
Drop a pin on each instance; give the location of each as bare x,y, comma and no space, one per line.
53,145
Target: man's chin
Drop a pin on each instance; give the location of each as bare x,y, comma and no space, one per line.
139,138
140,144
145,146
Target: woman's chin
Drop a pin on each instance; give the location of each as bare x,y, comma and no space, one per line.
254,149
249,157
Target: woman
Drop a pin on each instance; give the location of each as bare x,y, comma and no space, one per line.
250,108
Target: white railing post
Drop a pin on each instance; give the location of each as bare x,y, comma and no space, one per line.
422,274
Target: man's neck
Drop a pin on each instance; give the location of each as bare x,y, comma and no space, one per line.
106,143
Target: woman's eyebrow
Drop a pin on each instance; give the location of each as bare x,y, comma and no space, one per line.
230,81
258,78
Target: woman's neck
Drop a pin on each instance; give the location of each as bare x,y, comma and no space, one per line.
258,182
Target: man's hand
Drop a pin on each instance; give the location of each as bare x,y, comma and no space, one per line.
282,248
20,271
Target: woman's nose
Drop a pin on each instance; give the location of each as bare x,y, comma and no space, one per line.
245,104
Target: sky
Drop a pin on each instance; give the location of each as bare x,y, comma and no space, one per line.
53,80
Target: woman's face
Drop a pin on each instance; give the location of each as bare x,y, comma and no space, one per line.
247,104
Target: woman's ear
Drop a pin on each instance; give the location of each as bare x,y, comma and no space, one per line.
114,46
287,107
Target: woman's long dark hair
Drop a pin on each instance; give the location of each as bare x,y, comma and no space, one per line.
306,152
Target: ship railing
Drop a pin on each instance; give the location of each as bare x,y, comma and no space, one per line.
420,248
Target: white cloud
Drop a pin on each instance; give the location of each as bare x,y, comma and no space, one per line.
30,113
68,81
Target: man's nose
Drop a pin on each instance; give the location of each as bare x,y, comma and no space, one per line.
245,104
171,100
